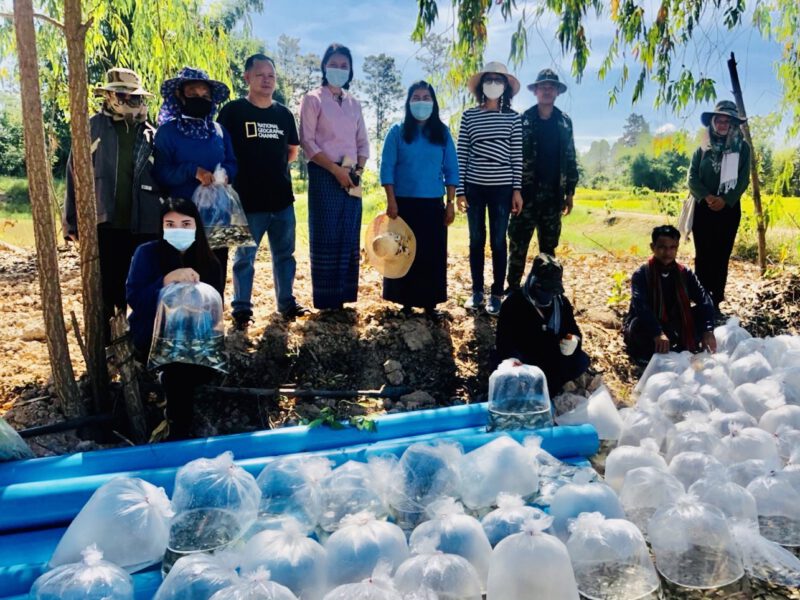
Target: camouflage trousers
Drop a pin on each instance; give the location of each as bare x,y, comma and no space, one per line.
541,211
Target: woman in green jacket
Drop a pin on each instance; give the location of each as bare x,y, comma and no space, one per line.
718,176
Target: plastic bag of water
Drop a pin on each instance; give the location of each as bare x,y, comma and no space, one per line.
90,579
198,576
518,397
449,576
255,586
508,518
733,500
624,458
645,490
353,488
583,496
222,214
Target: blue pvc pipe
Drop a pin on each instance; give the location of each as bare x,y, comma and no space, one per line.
23,557
49,503
286,440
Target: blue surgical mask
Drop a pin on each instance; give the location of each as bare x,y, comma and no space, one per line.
337,77
180,239
421,109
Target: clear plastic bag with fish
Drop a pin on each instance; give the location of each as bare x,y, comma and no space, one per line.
518,397
222,214
199,576
355,487
449,576
189,327
624,458
645,490
582,496
778,503
508,518
91,578
255,586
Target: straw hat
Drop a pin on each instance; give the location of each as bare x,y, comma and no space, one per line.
390,245
494,67
122,80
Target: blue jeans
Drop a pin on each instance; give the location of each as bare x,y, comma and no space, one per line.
280,229
497,199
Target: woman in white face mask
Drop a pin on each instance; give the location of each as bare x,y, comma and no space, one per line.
334,138
490,170
418,166
182,255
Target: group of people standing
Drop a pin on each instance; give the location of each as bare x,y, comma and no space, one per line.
521,170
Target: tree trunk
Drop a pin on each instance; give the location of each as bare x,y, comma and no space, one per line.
38,170
85,203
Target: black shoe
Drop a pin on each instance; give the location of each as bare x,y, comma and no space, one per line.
298,310
435,316
242,320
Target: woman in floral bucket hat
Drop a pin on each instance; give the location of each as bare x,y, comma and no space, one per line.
189,144
718,176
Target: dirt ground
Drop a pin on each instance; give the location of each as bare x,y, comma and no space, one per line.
440,363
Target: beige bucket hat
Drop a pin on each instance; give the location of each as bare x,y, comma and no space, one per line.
390,245
122,80
494,67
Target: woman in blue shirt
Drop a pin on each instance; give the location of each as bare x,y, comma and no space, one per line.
419,163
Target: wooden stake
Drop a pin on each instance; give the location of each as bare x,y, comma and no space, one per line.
123,353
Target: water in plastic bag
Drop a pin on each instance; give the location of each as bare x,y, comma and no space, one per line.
222,213
610,559
198,577
722,422
502,465
639,424
378,586
783,416
746,444
449,576
426,472
90,579
453,532
751,368
598,410
361,544
645,490
290,487
699,437
349,489
508,518
659,383
688,467
518,397
583,496
255,586
746,471
729,335
215,502
12,446
774,571
293,560
758,398
788,443
128,520
778,505
624,458
531,564
671,362
188,327
693,545
676,403
736,503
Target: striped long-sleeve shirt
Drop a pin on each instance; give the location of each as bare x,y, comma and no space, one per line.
489,149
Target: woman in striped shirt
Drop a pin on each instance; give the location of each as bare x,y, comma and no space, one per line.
490,168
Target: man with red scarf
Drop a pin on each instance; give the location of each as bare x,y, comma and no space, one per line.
670,310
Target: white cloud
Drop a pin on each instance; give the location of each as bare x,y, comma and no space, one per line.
666,128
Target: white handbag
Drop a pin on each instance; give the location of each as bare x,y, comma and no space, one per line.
686,218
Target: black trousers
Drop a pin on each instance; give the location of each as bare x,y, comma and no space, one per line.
641,345
116,248
714,234
222,257
179,381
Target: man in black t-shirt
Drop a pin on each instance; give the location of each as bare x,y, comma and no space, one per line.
265,141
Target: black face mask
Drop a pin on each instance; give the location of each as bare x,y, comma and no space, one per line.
199,108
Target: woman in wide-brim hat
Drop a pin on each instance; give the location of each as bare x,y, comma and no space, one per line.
718,176
490,176
189,144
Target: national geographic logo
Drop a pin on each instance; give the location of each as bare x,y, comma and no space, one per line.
264,131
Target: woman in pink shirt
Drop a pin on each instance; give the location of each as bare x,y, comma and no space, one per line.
334,138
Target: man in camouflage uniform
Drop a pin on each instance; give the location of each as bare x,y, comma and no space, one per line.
549,175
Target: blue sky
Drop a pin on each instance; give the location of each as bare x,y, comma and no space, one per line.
375,26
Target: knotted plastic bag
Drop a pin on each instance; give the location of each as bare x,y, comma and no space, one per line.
583,496
188,327
695,434
454,532
449,576
610,558
508,518
783,416
729,335
378,586
735,502
425,473
645,490
676,403
215,502
746,444
352,488
778,505
12,446
758,398
746,471
90,579
531,564
750,368
624,458
127,519
659,383
671,362
641,423
693,545
767,562
290,488
598,410
255,586
198,576
362,543
688,467
518,397
722,422
502,465
222,214
293,560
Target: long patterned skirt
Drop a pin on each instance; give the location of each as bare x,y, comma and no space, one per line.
334,229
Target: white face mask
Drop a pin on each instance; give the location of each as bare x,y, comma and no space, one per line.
493,90
179,238
337,77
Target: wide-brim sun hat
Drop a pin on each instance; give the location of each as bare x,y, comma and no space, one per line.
548,76
390,245
725,108
494,67
219,91
122,80
547,273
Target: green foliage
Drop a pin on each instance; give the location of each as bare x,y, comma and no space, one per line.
327,418
383,89
12,149
620,294
662,174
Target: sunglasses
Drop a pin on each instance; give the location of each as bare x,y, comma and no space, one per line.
129,99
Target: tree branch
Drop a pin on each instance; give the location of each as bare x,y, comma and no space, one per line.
43,17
